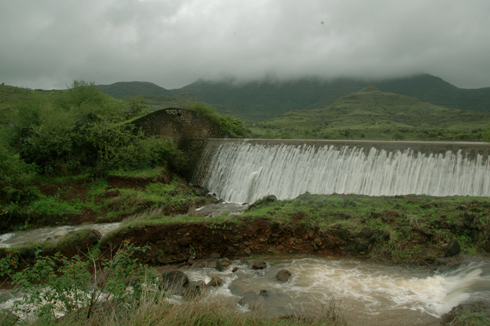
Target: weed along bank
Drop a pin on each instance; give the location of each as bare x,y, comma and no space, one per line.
170,222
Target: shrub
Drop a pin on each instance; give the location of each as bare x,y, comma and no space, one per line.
136,106
80,130
15,178
69,285
50,142
121,147
230,127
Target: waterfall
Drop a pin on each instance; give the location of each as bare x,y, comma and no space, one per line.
244,171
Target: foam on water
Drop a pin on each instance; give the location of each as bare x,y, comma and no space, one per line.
19,238
244,172
362,287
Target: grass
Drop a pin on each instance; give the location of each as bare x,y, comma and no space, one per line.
154,309
402,225
374,115
81,194
405,228
53,205
149,173
155,195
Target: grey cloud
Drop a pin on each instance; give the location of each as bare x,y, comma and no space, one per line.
47,44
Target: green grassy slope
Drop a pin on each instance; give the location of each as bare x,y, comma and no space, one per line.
262,100
372,114
259,101
437,91
10,95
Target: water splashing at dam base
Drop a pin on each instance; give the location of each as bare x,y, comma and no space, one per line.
246,170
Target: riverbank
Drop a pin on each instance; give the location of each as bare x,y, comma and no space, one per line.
420,230
408,230
83,199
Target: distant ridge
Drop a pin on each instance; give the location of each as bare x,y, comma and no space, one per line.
135,88
372,114
368,89
261,100
160,98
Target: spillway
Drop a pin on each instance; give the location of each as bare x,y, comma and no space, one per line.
246,170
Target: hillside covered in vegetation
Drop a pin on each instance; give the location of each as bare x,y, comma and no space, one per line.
375,115
261,100
58,147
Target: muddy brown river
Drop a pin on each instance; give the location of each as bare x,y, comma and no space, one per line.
367,293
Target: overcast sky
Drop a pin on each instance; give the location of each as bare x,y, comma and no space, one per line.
49,43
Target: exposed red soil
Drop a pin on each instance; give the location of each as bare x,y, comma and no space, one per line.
173,243
67,190
127,183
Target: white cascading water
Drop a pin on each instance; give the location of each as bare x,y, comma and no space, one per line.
364,288
244,172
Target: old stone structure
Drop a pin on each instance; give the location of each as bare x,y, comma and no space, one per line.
188,130
179,124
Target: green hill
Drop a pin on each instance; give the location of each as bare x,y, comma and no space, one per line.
160,98
259,101
373,114
127,89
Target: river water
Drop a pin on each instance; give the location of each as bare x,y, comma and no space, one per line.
20,238
367,293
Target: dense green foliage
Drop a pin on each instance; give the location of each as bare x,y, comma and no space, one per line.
230,127
375,115
81,129
15,178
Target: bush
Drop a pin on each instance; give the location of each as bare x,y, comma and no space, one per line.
80,130
230,127
121,147
136,106
15,178
25,116
49,143
69,285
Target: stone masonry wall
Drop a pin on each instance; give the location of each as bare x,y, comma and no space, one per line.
179,124
188,130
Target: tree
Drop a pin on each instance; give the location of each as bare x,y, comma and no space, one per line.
136,106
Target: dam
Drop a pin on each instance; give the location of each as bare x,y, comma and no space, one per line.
244,170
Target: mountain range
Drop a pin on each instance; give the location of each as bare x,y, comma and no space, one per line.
262,100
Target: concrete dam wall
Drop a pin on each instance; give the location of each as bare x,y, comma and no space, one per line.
244,170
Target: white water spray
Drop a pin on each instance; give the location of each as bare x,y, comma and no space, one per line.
245,172
364,288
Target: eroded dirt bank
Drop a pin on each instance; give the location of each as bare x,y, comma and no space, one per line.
181,241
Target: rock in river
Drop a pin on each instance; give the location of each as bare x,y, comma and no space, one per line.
175,281
259,264
283,275
453,249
